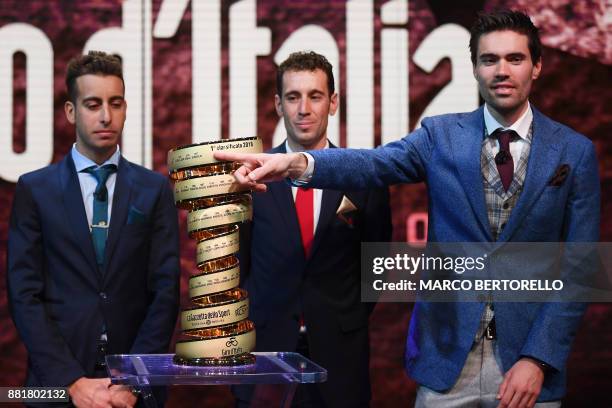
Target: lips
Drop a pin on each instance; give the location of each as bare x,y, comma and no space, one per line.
105,132
503,88
304,125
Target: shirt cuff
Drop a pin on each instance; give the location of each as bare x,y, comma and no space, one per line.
306,176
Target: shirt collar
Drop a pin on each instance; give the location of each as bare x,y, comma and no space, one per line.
521,126
82,162
294,147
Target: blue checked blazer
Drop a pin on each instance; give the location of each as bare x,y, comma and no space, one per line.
445,154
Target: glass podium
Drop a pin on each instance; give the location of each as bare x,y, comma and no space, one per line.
143,371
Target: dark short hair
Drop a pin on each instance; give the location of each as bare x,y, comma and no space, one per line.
96,63
305,61
516,21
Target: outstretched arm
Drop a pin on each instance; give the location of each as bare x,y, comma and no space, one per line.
403,161
261,168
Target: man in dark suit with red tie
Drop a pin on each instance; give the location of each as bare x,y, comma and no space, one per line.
93,259
301,259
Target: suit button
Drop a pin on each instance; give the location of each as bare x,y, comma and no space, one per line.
503,226
103,295
505,206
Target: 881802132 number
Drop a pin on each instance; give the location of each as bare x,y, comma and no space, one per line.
34,394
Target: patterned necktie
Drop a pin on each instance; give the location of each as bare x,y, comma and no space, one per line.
99,221
304,206
503,159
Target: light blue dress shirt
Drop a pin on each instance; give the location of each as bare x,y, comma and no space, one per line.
88,182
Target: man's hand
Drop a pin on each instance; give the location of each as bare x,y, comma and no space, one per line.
90,393
122,396
261,168
522,385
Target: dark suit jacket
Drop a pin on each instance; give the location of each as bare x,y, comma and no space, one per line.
60,300
325,288
445,153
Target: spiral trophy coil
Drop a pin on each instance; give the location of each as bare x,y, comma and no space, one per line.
216,331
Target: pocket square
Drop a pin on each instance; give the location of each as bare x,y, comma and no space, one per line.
135,216
345,209
560,175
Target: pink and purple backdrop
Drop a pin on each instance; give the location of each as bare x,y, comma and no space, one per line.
574,89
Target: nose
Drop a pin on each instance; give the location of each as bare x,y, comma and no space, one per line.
501,68
105,114
304,108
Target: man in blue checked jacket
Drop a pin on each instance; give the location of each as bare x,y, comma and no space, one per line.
502,173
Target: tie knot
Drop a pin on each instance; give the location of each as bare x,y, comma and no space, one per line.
101,173
505,137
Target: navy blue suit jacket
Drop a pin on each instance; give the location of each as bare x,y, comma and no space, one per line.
445,153
60,300
325,287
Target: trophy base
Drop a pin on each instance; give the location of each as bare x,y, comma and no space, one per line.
241,359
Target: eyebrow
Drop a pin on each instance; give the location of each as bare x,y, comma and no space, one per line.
92,99
312,92
516,54
488,55
510,55
99,100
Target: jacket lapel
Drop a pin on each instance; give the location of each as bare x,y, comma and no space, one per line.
284,198
544,157
281,191
330,200
329,203
121,199
466,146
75,210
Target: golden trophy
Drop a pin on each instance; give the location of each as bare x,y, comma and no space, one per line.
215,331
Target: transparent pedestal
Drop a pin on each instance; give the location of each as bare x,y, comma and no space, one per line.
142,371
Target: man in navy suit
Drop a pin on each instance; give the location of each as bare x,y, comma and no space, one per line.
93,259
502,173
300,256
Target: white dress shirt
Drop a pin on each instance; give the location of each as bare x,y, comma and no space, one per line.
521,127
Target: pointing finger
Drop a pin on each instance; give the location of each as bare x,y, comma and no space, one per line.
228,156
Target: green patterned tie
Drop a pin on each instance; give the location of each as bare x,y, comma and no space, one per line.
99,221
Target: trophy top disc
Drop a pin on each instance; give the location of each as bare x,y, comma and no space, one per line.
238,139
202,154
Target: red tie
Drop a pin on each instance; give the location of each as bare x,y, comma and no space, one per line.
304,207
503,159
